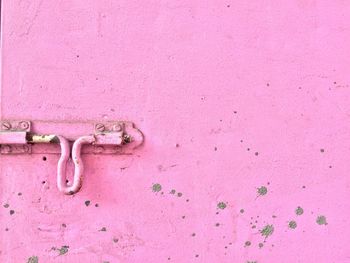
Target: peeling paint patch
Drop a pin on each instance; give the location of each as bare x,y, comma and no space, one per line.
292,224
61,251
299,211
247,243
33,259
156,188
262,190
267,231
221,205
321,220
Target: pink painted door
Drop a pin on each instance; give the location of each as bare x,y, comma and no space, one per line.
244,107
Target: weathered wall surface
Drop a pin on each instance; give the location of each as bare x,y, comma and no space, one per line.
245,107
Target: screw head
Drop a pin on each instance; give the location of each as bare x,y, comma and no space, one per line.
6,125
99,127
117,127
23,125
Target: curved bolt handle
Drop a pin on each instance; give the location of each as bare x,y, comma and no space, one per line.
78,164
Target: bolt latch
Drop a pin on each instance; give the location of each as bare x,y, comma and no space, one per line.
15,135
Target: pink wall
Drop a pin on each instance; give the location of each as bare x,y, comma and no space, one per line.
232,96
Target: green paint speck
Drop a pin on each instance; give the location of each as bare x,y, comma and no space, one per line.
33,259
221,205
321,220
267,231
292,224
262,190
299,211
63,250
156,188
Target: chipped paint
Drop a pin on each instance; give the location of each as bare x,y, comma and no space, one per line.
156,188
321,220
221,205
262,190
299,211
33,259
267,231
292,224
247,243
61,251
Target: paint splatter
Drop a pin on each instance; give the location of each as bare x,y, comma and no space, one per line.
261,245
221,205
299,211
156,188
63,250
87,202
267,231
247,243
292,224
103,229
12,212
33,259
6,205
241,211
173,191
262,190
321,220
179,194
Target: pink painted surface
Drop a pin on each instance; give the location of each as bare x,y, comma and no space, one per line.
245,107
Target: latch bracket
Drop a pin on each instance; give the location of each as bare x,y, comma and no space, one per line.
16,137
